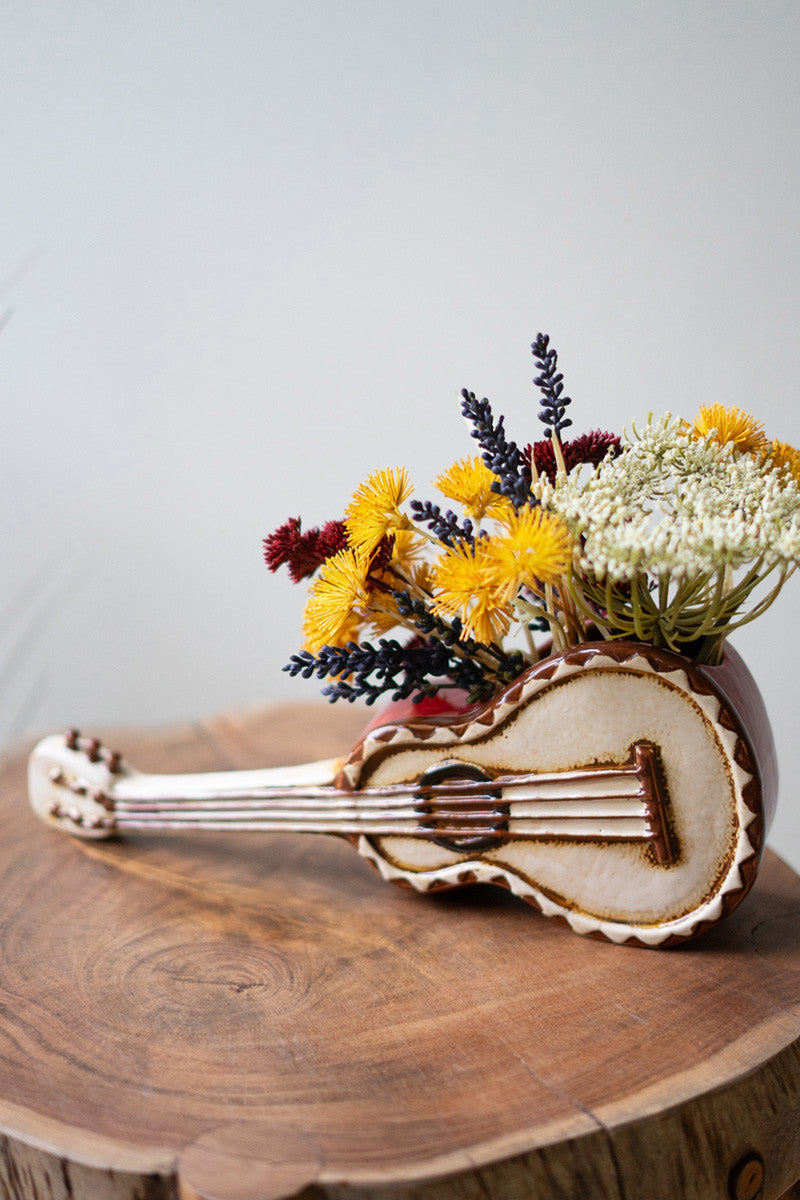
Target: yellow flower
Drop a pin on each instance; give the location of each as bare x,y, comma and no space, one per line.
469,588
337,598
404,565
407,550
374,510
536,549
729,425
469,482
384,620
781,455
422,576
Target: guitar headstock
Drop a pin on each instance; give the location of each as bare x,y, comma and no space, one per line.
70,784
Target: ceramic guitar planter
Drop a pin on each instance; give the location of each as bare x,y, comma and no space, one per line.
623,789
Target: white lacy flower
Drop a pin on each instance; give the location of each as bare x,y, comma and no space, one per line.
678,506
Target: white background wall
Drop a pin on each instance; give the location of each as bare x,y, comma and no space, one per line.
250,251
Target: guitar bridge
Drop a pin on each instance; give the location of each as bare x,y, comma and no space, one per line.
663,844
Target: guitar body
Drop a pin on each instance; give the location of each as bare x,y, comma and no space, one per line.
588,706
617,787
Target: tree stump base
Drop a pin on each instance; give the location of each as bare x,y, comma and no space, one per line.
244,1017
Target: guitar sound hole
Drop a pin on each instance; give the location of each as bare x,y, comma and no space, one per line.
468,820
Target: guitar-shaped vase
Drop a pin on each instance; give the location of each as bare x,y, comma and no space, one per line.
618,787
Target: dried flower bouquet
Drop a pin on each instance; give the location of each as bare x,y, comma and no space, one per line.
674,534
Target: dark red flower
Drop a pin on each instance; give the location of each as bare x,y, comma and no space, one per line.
332,538
303,553
588,448
279,545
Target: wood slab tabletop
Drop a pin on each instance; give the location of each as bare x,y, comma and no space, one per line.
245,1017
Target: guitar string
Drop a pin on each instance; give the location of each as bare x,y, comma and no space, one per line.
457,792
472,818
465,808
642,832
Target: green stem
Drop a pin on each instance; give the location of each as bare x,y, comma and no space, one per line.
559,636
588,612
636,609
536,610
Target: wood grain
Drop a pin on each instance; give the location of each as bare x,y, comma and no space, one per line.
250,1018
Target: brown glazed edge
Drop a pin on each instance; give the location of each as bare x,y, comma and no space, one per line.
742,711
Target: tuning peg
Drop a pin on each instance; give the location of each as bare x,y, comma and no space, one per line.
94,750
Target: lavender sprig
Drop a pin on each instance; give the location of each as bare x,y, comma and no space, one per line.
550,384
445,526
416,670
437,658
503,668
427,622
503,458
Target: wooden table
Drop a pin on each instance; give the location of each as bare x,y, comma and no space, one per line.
251,1018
